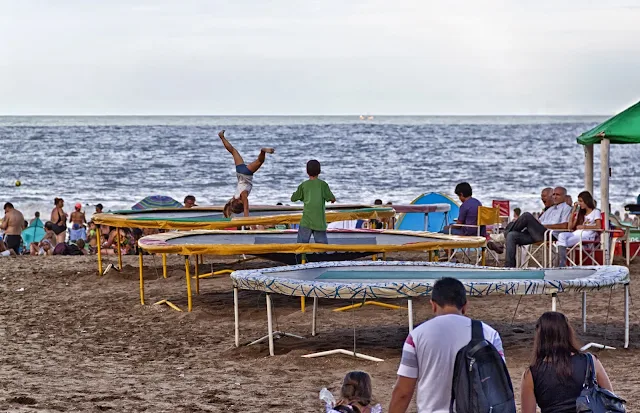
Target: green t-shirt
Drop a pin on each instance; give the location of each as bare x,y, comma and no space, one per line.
314,193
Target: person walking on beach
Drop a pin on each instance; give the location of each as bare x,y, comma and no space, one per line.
240,200
59,220
12,225
314,192
429,352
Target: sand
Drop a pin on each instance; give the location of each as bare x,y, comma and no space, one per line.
72,341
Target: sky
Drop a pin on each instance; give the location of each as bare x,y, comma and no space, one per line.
329,57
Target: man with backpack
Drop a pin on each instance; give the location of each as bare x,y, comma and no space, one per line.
441,360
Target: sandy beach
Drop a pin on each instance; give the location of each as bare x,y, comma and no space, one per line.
73,341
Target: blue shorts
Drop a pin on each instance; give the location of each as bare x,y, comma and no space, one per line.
242,169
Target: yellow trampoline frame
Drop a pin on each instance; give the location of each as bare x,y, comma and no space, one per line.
157,244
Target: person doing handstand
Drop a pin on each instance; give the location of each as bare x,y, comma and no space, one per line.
240,200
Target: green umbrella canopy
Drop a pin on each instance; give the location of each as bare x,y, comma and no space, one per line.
622,128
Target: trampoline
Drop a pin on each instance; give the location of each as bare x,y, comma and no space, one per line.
212,218
280,245
365,280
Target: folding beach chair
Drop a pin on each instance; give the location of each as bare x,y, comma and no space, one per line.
487,217
505,211
626,238
591,252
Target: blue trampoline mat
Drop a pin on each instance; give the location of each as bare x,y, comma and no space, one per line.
431,275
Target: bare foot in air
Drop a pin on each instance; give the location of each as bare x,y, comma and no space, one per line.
268,150
221,134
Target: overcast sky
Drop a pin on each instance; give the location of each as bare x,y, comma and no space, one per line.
398,57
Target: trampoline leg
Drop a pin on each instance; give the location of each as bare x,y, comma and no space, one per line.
410,307
119,249
197,278
164,265
236,315
141,264
315,313
626,316
187,276
270,325
99,252
584,312
303,303
554,299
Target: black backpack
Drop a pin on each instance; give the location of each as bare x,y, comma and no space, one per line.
481,382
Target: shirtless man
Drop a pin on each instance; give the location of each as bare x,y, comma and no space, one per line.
12,224
77,219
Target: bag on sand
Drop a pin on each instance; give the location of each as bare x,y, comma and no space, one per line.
595,399
481,382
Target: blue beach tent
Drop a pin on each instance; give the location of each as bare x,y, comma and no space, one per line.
415,221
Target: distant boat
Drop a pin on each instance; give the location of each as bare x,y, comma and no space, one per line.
367,117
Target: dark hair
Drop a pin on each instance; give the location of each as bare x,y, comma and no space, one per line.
48,225
553,344
377,202
449,291
232,207
463,189
99,206
313,168
8,205
588,200
80,243
189,198
356,387
37,214
517,211
57,200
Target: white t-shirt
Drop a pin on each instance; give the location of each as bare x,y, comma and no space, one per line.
590,219
429,355
245,183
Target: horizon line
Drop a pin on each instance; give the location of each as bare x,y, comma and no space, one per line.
307,115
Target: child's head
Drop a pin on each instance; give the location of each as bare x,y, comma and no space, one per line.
313,168
48,226
356,387
80,243
234,206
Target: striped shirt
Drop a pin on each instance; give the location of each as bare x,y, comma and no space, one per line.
429,354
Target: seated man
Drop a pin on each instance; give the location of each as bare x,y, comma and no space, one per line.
468,214
528,230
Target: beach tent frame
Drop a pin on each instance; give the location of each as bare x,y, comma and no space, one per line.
623,128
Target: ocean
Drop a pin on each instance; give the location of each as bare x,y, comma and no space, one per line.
119,160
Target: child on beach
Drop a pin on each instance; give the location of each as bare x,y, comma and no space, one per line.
240,200
314,192
355,395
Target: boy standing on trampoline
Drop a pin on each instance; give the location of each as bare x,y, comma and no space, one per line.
314,192
240,200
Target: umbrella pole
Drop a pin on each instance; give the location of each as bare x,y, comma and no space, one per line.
604,194
588,168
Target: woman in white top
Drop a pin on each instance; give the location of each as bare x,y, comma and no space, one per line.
584,219
244,173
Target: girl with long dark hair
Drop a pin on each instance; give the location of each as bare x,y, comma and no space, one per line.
557,371
583,223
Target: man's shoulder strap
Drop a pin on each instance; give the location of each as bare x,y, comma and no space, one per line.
476,330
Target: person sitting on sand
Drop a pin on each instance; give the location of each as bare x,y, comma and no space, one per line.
77,220
126,242
240,200
189,201
46,244
355,395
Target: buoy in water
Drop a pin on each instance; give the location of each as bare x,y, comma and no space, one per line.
18,183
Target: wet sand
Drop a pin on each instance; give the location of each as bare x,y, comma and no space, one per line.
73,341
